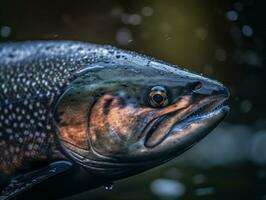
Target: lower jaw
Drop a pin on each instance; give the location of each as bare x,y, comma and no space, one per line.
198,126
181,125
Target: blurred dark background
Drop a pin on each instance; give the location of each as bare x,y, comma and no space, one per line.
224,40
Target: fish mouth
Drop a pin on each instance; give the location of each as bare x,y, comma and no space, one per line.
205,114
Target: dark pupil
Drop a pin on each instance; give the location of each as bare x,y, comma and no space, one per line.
158,98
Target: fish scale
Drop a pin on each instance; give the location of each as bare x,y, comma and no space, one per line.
32,76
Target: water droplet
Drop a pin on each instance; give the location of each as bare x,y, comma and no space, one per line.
123,36
116,11
147,11
109,186
5,31
232,15
246,106
134,19
257,147
247,31
201,33
199,179
205,191
220,55
167,188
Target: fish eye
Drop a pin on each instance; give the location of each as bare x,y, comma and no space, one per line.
158,96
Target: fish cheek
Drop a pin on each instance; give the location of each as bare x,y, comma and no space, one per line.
70,119
114,125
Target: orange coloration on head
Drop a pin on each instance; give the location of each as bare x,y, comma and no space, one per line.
73,127
114,125
111,119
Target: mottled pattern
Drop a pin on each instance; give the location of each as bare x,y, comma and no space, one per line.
32,76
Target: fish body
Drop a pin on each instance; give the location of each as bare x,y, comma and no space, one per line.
33,75
112,112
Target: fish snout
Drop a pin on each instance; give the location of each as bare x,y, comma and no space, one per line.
210,88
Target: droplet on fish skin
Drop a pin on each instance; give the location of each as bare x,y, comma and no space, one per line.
52,170
109,186
136,71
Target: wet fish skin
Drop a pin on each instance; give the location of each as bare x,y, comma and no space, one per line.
37,80
32,77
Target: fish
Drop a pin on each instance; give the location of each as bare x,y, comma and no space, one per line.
88,115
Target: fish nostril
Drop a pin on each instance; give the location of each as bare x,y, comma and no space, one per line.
225,92
197,86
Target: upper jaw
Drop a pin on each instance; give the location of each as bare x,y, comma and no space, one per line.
205,111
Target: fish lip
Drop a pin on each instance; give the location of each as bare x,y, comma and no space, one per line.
205,107
212,104
216,106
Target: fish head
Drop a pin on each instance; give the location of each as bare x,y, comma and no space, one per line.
124,117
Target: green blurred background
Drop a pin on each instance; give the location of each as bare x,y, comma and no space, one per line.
224,40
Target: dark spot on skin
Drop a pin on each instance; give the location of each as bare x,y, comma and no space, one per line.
121,102
58,117
124,85
117,56
11,55
61,113
63,123
48,47
106,106
97,131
